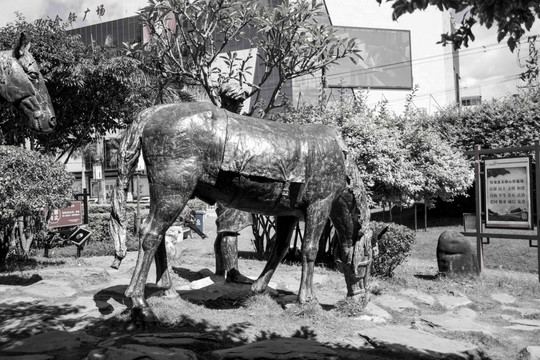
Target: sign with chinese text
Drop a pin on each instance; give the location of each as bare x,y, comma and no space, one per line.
508,193
69,216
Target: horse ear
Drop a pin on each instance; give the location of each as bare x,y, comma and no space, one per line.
21,46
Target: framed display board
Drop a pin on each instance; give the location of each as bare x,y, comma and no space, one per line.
508,193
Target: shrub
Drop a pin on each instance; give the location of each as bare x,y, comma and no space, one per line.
29,182
394,247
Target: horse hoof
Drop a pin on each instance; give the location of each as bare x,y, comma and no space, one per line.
141,317
257,287
361,297
170,294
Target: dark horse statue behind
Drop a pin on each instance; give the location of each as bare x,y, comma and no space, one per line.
22,84
288,171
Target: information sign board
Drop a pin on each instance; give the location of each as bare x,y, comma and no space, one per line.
508,193
69,216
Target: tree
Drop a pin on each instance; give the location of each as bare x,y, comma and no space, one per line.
512,18
93,88
289,42
402,158
506,122
29,183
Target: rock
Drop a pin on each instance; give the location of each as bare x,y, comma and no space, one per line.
377,311
199,284
413,343
368,318
460,320
503,298
522,311
279,349
29,357
50,289
46,342
524,324
530,353
135,352
419,296
455,255
393,302
453,300
173,339
31,324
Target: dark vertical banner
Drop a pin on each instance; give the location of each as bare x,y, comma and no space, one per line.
384,63
508,193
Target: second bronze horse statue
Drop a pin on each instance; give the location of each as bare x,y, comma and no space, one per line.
21,84
288,171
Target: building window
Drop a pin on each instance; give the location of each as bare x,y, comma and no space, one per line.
471,101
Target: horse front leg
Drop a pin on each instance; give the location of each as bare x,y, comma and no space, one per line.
147,250
165,206
316,217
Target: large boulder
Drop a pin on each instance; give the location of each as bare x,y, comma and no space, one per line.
455,255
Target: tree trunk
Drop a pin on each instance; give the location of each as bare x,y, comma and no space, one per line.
26,237
4,248
101,182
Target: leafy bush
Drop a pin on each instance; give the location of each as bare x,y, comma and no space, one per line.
29,183
394,247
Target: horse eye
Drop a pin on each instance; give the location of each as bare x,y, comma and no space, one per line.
33,75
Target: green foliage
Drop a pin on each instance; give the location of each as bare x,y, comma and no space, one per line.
30,182
290,43
513,18
394,247
506,122
93,89
401,158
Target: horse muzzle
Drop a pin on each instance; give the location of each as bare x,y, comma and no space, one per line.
40,115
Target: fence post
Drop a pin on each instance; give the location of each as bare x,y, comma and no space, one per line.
478,190
537,196
85,206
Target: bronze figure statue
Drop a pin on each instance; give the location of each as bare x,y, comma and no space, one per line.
22,84
289,171
229,221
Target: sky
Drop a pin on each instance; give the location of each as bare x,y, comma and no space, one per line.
488,68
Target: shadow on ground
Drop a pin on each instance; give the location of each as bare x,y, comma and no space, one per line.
33,319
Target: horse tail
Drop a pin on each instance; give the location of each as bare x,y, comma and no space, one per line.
128,156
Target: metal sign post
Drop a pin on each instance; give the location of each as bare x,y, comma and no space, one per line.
479,232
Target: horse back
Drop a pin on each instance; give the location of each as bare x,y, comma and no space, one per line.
219,140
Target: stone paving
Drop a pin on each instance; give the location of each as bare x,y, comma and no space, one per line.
30,330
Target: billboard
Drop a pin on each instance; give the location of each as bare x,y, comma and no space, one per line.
508,193
385,60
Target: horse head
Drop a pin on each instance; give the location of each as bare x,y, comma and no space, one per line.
22,84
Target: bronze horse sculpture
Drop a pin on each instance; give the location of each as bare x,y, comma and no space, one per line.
22,84
289,171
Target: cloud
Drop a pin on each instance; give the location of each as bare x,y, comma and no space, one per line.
491,66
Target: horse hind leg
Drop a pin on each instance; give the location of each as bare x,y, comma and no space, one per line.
284,230
163,276
316,216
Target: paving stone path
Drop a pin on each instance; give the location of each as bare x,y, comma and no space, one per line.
31,329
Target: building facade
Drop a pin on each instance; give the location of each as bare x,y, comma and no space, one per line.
396,57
